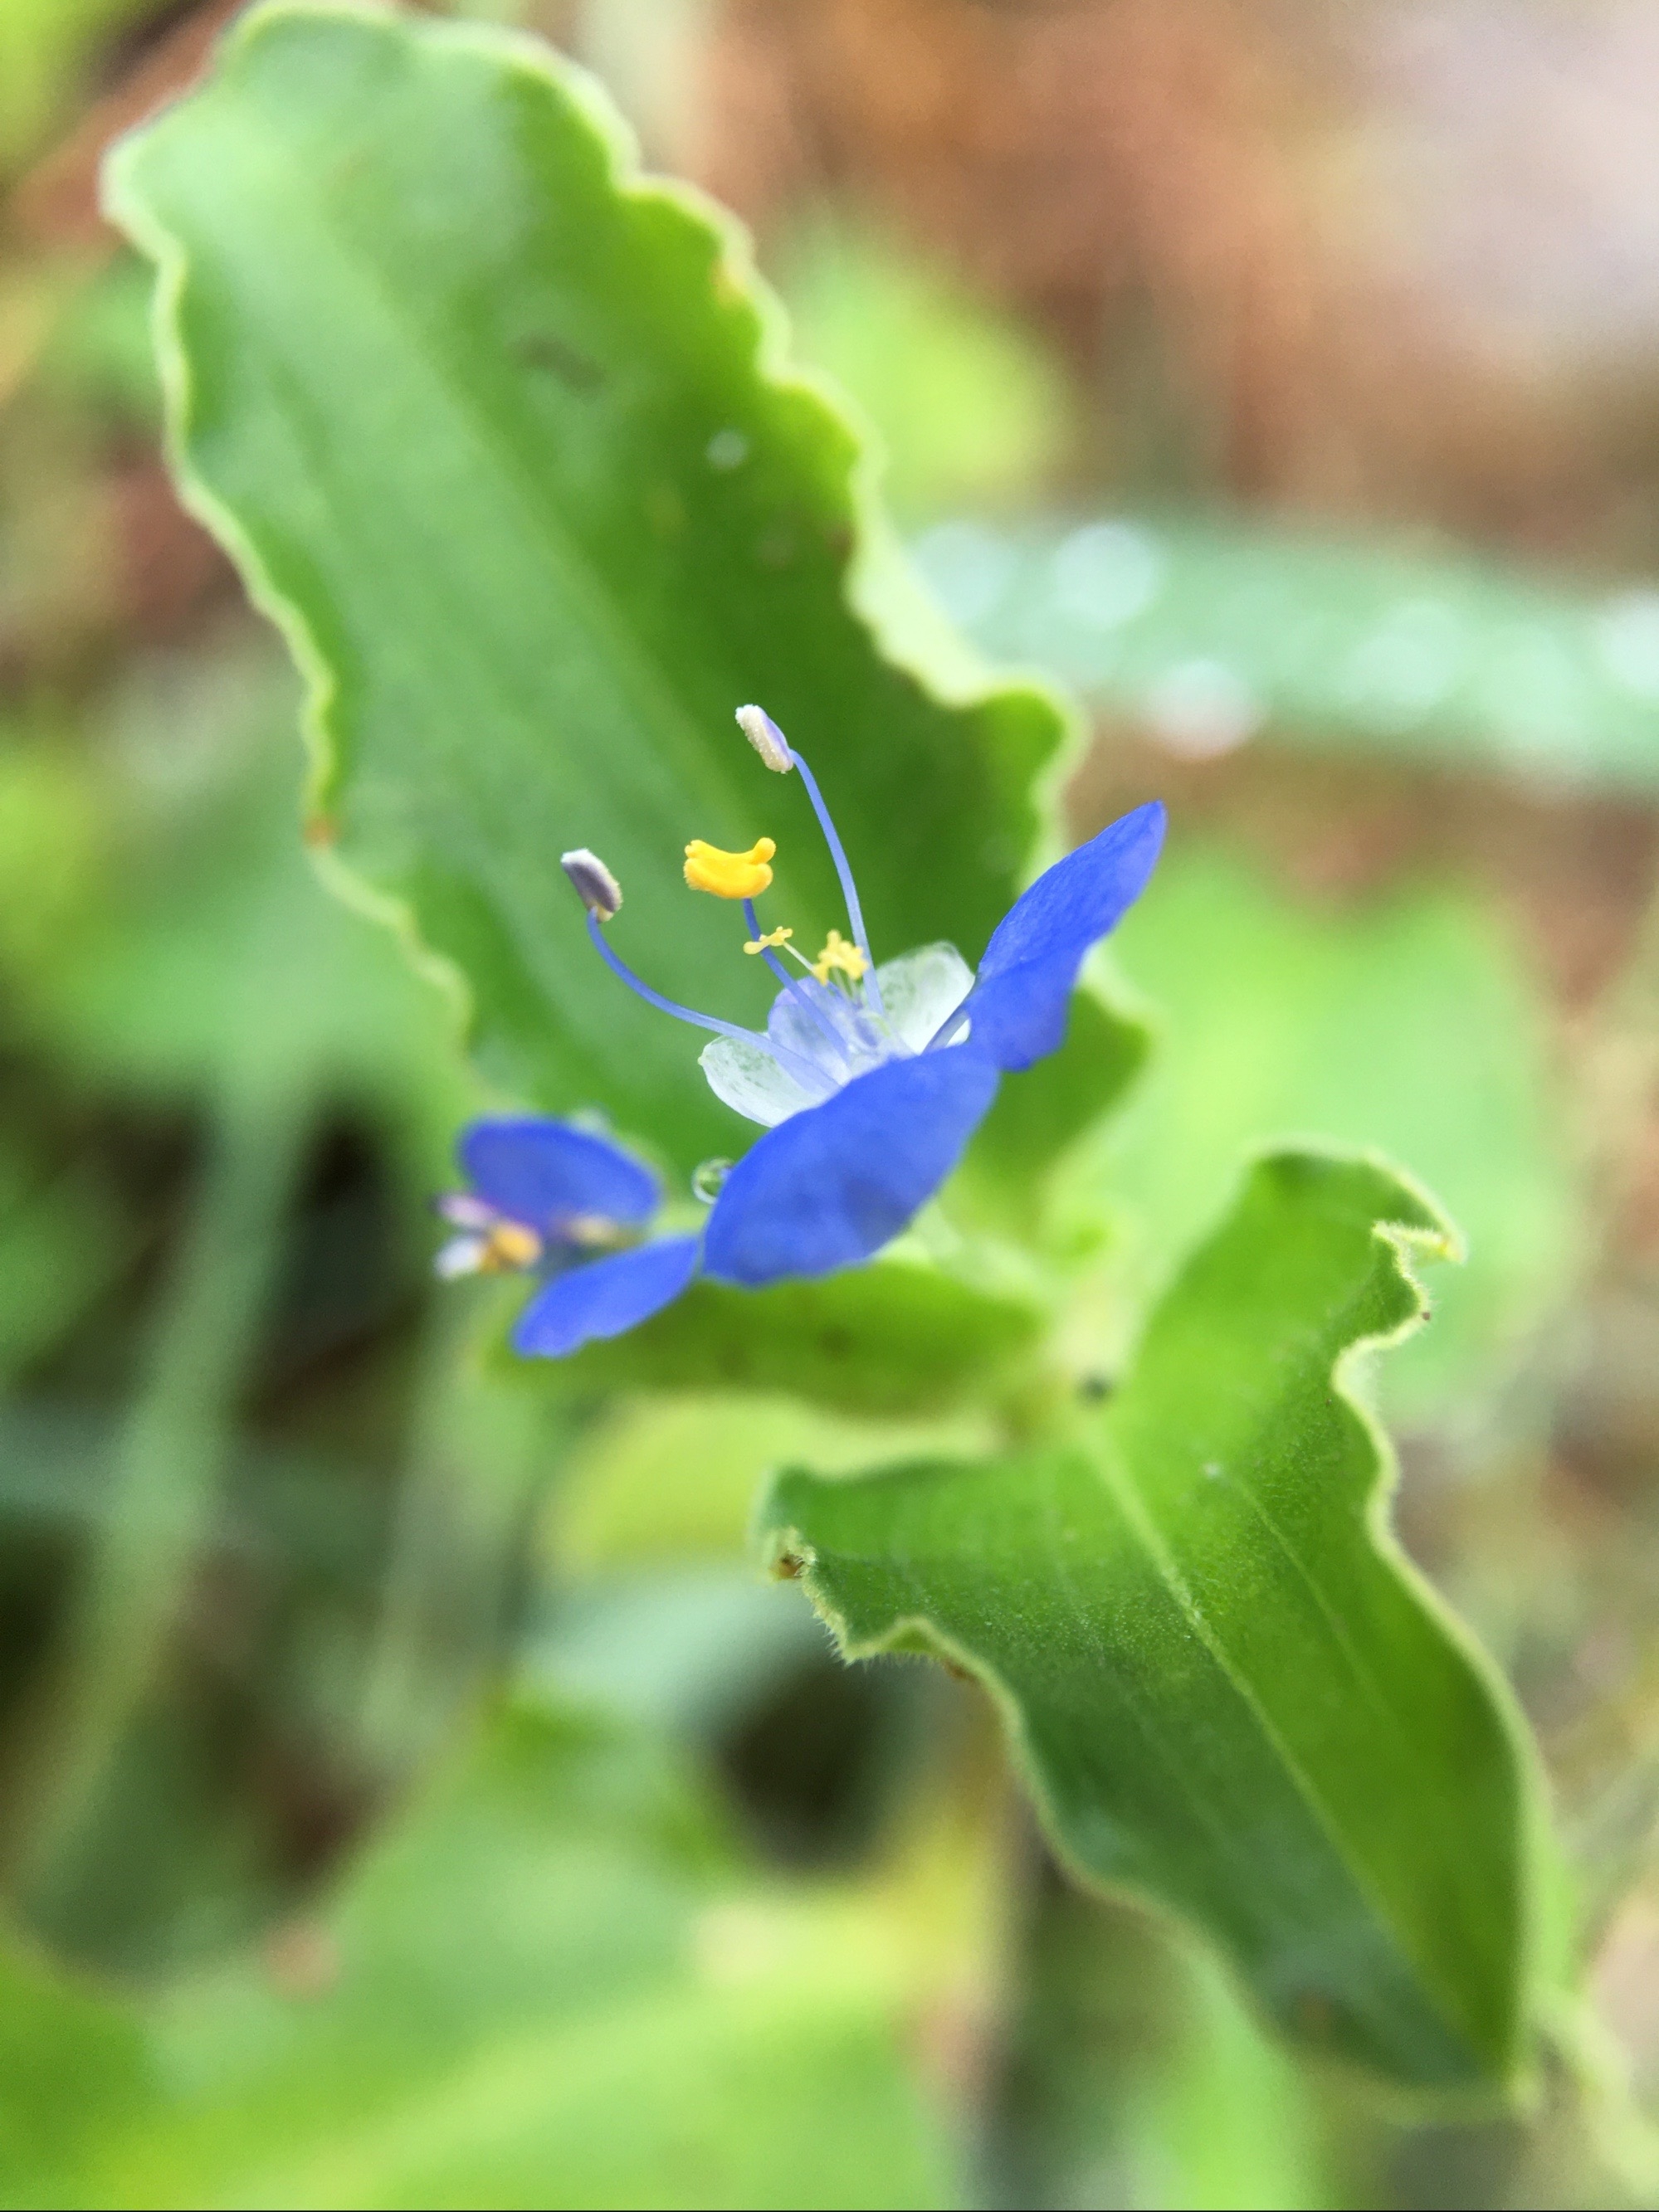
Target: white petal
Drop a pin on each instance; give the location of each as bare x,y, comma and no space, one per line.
466,1211
462,1255
747,1077
920,988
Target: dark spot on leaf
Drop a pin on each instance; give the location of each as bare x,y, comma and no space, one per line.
777,548
1313,2012
835,1343
321,829
839,538
1096,1387
665,510
543,350
950,1667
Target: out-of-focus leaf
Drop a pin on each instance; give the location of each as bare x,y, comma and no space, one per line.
500,434
1225,1686
75,2068
1206,632
1004,1183
53,847
549,1989
971,410
894,1338
1408,1025
217,955
686,1649
61,1244
1138,2076
661,1480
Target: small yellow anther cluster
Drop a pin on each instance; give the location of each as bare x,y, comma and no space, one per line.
508,1246
729,875
772,937
839,954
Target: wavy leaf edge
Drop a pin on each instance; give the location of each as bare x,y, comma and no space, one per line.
909,627
1543,1967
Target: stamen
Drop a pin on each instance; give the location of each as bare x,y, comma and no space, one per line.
509,1245
597,888
729,875
767,739
801,1069
850,960
763,945
848,887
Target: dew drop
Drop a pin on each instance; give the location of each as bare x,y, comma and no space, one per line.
709,1179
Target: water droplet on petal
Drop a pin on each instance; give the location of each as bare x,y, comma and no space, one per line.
709,1179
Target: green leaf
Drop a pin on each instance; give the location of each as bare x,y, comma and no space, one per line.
1207,631
1227,1688
890,1338
550,1987
500,434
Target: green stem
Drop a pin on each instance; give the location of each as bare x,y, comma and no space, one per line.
169,1462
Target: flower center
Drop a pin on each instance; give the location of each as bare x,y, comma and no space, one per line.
506,1246
836,1025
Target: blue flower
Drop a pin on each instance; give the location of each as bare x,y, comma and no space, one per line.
869,1081
554,1199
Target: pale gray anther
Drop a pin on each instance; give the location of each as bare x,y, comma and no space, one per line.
767,739
597,888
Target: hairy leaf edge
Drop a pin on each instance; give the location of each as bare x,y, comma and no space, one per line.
1541,1968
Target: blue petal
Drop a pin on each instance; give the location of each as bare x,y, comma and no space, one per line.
1019,1004
606,1297
830,1185
542,1172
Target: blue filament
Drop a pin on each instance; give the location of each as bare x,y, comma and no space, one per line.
792,983
800,1068
850,889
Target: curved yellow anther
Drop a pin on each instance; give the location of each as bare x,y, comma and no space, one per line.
729,875
772,937
838,953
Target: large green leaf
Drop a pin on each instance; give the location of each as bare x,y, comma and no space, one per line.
550,1987
500,434
1225,1686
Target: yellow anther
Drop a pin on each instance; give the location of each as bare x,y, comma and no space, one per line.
839,954
772,937
729,875
509,1245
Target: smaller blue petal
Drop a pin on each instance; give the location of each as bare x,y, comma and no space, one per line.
832,1184
605,1297
1019,1000
542,1172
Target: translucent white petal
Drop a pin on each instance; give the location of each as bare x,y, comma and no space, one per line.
747,1077
920,988
819,1023
462,1255
466,1211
